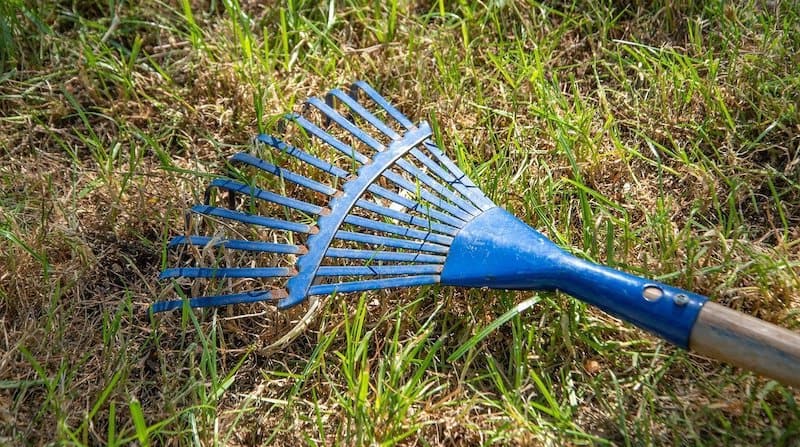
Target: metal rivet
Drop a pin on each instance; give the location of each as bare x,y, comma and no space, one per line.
681,299
652,293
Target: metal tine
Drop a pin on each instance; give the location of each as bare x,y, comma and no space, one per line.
405,164
340,120
245,158
413,205
332,141
437,187
268,196
461,181
219,300
451,175
336,117
378,99
356,107
407,218
372,255
469,190
237,244
399,230
332,115
424,193
360,110
303,156
266,222
384,241
227,272
403,183
373,284
379,270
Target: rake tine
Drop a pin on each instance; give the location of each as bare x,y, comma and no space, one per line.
227,272
328,138
284,174
303,156
438,228
266,222
235,244
268,196
333,115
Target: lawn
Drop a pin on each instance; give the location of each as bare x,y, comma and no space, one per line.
661,138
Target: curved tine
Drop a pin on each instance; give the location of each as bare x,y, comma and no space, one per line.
430,196
426,210
252,219
373,255
330,101
422,222
372,284
237,244
268,196
356,107
219,300
380,270
437,187
305,157
381,102
470,189
454,177
385,241
327,138
283,173
400,230
226,272
332,115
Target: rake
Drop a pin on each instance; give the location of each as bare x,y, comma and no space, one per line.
381,206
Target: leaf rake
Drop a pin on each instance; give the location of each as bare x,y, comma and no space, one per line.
386,208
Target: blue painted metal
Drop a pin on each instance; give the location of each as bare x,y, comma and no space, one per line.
497,250
328,138
447,231
214,301
285,174
398,230
426,195
226,272
266,222
267,196
361,111
234,244
298,286
380,270
383,241
373,284
426,223
376,255
334,116
303,156
413,205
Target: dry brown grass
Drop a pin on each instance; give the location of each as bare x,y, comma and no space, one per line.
99,159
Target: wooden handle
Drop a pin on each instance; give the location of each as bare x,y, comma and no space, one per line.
747,342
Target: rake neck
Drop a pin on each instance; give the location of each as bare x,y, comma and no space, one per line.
497,250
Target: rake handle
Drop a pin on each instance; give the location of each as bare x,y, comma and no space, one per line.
747,342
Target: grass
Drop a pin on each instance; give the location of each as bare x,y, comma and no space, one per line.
660,138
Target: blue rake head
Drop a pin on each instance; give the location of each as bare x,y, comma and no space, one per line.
385,208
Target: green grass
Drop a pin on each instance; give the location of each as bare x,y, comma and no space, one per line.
659,138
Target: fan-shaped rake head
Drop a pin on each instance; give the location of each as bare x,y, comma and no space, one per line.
379,209
373,203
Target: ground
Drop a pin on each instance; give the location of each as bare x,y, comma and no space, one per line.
662,138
